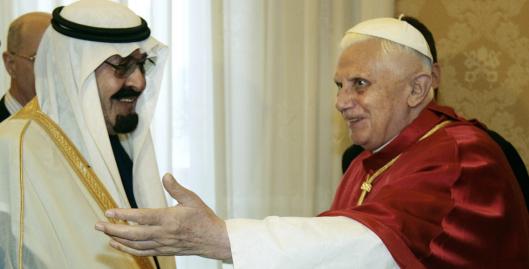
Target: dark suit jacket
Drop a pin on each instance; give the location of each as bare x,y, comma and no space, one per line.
4,113
515,161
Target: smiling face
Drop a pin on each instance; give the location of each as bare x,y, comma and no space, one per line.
374,92
119,92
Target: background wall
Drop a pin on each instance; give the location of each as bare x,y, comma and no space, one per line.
483,49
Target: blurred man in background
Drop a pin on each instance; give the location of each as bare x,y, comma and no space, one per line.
23,39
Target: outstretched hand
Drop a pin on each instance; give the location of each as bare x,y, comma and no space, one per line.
189,228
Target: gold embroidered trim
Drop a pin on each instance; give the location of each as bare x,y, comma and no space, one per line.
81,167
21,210
367,185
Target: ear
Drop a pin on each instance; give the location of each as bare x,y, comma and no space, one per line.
436,79
420,88
9,63
436,75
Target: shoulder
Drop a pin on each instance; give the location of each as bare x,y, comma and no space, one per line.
25,119
468,147
472,141
483,168
465,134
456,148
11,128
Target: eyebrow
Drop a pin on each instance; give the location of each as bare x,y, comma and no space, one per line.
143,56
121,59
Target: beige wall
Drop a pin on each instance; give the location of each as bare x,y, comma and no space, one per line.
483,49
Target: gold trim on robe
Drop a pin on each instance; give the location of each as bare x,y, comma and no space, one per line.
21,213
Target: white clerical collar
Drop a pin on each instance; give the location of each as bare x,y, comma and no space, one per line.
12,105
384,145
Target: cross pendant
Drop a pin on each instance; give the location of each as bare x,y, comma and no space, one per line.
366,186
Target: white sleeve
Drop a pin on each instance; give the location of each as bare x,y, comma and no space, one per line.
291,242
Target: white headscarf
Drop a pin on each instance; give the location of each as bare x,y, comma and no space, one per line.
67,92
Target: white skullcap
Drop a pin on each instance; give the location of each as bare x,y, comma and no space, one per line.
395,30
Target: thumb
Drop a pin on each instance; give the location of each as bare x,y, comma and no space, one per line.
178,192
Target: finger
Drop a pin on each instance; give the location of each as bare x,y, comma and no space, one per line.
128,232
138,245
137,215
178,192
115,244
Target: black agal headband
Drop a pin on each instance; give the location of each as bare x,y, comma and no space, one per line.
109,35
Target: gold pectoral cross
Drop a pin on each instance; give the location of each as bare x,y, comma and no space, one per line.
367,185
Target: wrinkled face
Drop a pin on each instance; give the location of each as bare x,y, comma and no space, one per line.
120,82
372,93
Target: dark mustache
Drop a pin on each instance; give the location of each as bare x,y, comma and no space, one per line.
125,93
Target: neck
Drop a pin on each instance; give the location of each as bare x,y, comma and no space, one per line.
18,95
413,113
383,145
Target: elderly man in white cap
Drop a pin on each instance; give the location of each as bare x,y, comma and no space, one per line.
431,190
83,145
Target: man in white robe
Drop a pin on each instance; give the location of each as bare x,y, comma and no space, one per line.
97,77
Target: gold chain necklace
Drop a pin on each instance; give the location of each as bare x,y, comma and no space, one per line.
367,185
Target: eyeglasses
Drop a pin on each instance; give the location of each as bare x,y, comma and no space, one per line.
29,58
127,67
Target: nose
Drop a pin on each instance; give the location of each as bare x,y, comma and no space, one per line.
344,99
136,79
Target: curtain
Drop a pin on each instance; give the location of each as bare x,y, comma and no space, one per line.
256,106
246,117
283,138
